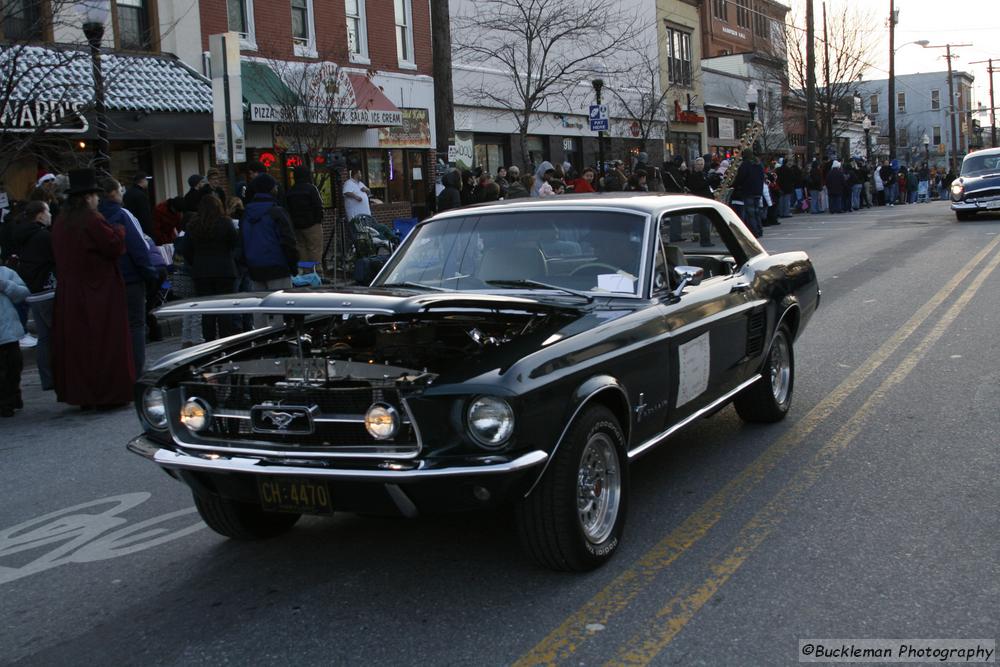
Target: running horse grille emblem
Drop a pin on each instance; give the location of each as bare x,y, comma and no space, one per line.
280,419
288,419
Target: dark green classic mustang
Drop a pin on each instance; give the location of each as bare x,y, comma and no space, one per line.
518,353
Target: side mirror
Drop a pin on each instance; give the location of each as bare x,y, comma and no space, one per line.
687,276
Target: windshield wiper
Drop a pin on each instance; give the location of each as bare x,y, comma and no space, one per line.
539,285
414,286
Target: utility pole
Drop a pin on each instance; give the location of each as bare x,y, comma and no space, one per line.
951,99
993,106
444,100
827,96
892,80
810,82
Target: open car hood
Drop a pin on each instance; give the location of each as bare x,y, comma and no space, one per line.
362,301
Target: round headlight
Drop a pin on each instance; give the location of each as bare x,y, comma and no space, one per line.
382,421
153,408
195,414
491,421
957,188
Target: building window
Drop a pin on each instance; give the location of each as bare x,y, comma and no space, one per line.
904,137
713,127
901,102
240,14
357,31
937,135
720,9
303,32
873,104
936,100
743,13
22,21
761,24
404,32
679,57
133,25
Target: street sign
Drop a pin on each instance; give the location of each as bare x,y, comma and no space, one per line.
598,117
227,98
598,112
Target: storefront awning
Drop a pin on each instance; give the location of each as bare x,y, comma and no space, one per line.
328,95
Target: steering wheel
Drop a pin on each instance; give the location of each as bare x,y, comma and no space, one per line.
593,265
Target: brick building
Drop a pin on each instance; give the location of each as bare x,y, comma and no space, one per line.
366,62
742,26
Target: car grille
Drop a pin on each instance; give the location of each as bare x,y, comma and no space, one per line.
980,195
337,421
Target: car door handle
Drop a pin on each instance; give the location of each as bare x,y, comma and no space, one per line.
741,286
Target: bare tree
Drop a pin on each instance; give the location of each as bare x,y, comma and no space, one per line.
313,103
846,57
640,96
540,50
44,98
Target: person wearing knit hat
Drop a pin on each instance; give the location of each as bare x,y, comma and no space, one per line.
269,247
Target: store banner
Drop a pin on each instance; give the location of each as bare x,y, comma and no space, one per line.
225,53
415,132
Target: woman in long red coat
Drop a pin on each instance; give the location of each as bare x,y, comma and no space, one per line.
91,349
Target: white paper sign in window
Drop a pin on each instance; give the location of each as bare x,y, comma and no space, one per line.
693,364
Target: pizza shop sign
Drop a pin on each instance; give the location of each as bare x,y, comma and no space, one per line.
40,115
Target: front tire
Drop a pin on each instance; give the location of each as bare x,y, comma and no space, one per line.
574,519
241,521
963,216
768,400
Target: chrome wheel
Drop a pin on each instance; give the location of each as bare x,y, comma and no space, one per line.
781,368
598,488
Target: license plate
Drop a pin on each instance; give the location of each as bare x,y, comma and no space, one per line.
293,494
993,205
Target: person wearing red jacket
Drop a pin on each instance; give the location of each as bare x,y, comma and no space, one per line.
167,220
585,183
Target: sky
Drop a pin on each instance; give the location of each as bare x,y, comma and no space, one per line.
939,21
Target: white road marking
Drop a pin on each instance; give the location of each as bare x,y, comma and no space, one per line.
82,536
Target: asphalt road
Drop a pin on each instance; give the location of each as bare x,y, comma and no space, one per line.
872,511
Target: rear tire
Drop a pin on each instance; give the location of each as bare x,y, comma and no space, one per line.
768,400
965,215
574,519
241,521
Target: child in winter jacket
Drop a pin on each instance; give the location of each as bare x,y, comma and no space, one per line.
12,290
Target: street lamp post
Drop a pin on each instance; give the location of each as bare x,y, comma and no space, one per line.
866,125
752,101
94,14
598,85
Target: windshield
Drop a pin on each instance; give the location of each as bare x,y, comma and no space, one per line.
977,165
583,250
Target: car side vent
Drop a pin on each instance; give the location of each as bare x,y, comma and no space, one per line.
756,330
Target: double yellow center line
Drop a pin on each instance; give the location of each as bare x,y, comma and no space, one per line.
571,634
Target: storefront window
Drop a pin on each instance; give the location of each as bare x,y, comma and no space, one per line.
375,173
396,173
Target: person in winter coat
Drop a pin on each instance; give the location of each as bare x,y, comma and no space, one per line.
912,183
540,179
501,181
305,207
167,220
697,182
267,239
136,268
470,193
879,187
835,187
136,200
888,175
209,246
748,187
37,266
515,189
92,362
451,196
12,291
814,182
546,189
585,183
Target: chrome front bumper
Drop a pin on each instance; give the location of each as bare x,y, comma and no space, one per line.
992,204
390,472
